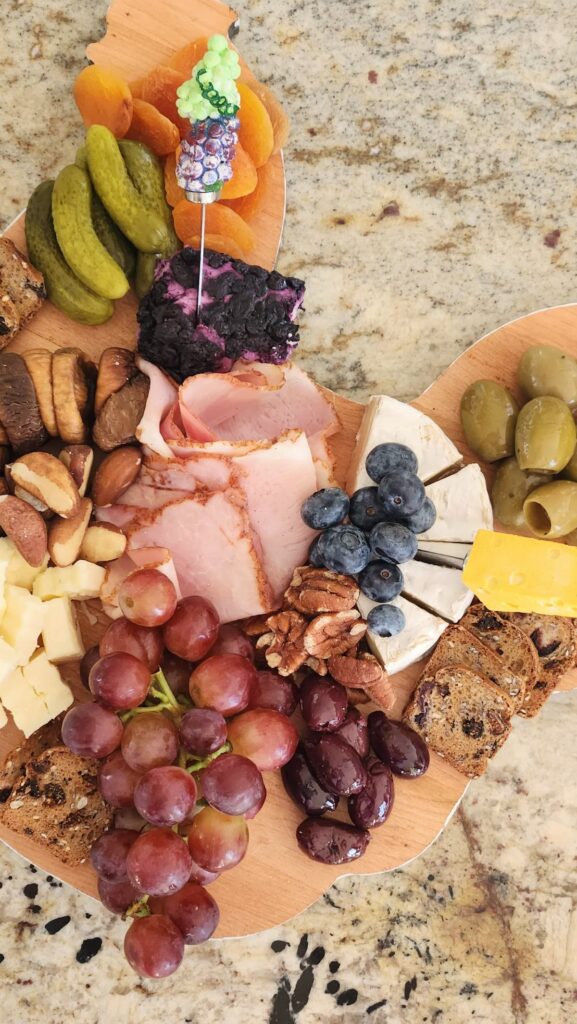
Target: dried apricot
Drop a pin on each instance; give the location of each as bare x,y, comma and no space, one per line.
244,177
103,97
279,119
255,133
184,59
174,193
219,244
220,220
159,88
248,206
148,125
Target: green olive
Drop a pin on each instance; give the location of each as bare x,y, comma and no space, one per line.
551,510
510,488
545,370
545,435
488,417
570,471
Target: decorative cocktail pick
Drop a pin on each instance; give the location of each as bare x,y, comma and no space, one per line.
210,100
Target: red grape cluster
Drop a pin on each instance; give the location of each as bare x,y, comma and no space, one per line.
185,725
335,761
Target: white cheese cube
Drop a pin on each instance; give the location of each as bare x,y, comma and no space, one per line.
388,420
22,622
3,717
28,709
8,660
421,632
19,573
3,573
60,632
79,582
47,683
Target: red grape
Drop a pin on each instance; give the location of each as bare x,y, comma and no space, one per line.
116,781
202,876
109,852
120,681
222,683
90,658
202,731
147,597
232,784
269,690
265,736
158,862
217,841
177,673
145,644
232,640
257,806
153,946
149,741
117,896
193,910
127,817
165,795
193,629
90,730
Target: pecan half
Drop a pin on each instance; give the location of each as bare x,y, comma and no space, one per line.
317,665
285,649
255,626
334,633
357,696
366,673
318,590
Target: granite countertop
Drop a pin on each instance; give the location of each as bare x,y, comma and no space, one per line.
432,197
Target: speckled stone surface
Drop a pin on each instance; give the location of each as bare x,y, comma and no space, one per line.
432,197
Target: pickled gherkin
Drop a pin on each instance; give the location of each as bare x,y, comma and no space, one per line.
488,417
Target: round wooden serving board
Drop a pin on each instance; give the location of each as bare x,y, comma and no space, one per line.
275,880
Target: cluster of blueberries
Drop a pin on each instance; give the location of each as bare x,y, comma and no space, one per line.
380,534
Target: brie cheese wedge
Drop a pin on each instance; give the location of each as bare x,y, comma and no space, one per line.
421,632
438,588
463,506
445,548
388,420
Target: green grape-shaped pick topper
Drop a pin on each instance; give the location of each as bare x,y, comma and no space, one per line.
211,91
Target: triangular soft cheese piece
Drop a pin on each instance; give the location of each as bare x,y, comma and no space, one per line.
463,506
438,588
388,420
445,547
421,632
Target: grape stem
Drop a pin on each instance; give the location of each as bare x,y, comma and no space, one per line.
203,762
161,690
139,909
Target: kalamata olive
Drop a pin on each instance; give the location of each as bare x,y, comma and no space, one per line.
401,748
304,789
331,842
269,690
510,488
335,764
323,703
545,435
354,730
545,370
488,416
373,805
551,511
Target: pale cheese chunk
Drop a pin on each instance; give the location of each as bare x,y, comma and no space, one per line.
463,507
19,573
421,632
8,660
60,633
47,683
79,582
28,709
22,622
438,588
3,717
387,420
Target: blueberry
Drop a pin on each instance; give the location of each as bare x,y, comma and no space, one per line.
315,557
390,458
364,510
344,549
386,620
401,494
325,508
393,542
381,581
423,519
